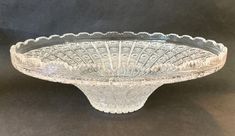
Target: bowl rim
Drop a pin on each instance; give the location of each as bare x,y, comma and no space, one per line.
218,48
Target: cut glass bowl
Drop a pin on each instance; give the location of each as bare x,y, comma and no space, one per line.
118,71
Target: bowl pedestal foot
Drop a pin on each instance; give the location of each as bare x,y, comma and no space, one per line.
117,99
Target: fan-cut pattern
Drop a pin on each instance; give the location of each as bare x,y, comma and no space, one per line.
119,58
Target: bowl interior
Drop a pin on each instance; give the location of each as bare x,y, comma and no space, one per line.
115,58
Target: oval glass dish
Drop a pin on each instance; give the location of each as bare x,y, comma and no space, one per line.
118,71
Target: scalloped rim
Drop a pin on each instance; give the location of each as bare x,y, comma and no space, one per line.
220,58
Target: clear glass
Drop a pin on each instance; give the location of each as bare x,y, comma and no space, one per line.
118,71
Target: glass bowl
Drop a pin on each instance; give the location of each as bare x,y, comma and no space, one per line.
118,71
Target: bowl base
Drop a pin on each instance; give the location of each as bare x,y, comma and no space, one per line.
117,99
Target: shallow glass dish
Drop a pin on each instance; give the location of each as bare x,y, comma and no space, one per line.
118,71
